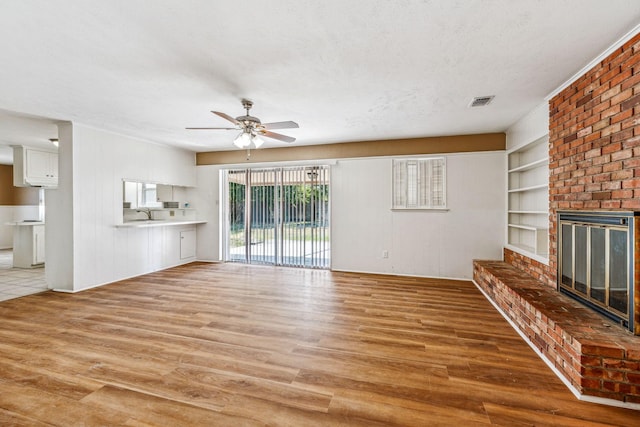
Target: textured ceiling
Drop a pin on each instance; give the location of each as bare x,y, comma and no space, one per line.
344,70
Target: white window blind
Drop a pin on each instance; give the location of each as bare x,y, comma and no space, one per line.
419,183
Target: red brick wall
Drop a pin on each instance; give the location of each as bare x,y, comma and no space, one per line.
530,266
594,164
594,140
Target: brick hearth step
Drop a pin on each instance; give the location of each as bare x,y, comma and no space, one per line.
595,356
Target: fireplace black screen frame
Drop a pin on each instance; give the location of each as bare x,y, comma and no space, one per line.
611,220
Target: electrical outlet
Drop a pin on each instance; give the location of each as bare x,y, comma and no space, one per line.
385,254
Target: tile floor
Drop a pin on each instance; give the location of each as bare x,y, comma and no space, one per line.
18,282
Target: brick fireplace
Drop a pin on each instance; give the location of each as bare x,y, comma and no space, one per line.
594,166
594,144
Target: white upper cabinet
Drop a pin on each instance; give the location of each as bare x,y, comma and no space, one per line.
34,167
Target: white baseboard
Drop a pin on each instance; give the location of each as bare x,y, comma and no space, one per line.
386,273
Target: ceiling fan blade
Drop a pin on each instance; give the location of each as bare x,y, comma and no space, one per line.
278,136
226,117
280,125
211,128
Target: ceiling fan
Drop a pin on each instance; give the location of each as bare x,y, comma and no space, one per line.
251,128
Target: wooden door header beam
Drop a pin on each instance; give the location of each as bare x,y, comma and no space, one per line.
346,150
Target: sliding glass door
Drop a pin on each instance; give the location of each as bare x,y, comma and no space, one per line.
278,216
235,207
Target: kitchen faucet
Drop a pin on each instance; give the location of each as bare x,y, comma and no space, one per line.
147,211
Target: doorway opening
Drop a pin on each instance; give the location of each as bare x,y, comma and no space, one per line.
22,257
278,216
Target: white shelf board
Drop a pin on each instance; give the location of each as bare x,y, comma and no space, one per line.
533,187
528,251
528,166
528,227
529,212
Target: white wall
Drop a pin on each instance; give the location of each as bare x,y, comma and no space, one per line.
206,200
421,243
59,217
6,231
13,214
98,162
85,249
529,128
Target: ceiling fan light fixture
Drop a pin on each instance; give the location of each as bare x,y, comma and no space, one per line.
252,130
243,140
257,141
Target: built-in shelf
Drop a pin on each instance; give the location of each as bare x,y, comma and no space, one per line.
529,166
530,188
529,227
528,199
528,212
523,247
529,251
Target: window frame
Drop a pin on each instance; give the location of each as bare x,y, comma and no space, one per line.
410,174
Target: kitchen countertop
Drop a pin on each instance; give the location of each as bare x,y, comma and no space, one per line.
23,223
157,223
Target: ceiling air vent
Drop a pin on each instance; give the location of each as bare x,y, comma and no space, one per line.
481,101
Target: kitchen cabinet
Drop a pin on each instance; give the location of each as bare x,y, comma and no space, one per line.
187,244
164,193
28,245
178,244
38,245
34,167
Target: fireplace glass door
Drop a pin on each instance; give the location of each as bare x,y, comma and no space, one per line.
594,265
598,266
618,286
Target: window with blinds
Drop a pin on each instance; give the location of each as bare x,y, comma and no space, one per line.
419,183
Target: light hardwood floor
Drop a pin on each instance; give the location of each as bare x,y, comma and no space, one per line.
231,344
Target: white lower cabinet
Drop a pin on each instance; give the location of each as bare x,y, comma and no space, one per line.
187,244
157,247
28,246
38,244
179,245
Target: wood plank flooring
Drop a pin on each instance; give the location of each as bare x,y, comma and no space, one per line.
238,345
